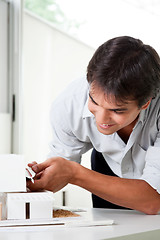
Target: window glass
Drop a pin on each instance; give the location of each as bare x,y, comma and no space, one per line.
95,21
55,12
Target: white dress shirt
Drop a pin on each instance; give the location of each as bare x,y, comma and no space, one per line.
75,132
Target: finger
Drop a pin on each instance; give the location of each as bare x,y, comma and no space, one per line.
38,175
40,167
36,186
32,164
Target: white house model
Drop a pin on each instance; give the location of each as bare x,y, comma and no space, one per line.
32,205
17,203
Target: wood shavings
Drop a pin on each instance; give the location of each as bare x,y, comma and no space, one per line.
64,213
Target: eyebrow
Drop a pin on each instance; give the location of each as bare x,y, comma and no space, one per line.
114,109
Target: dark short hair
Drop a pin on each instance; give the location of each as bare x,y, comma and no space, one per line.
127,69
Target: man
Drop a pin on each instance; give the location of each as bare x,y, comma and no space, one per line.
117,113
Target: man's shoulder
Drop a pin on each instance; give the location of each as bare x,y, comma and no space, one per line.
152,113
75,94
155,104
76,88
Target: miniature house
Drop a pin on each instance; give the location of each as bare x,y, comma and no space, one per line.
31,205
16,202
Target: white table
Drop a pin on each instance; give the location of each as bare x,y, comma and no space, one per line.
126,222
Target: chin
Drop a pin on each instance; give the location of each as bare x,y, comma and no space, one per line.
105,132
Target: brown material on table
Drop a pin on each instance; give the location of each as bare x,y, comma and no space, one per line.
63,213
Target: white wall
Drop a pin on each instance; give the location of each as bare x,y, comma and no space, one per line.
51,59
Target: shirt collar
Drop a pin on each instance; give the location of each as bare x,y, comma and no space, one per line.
86,112
142,115
145,112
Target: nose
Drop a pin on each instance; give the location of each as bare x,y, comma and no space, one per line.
103,116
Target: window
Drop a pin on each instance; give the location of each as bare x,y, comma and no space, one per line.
94,21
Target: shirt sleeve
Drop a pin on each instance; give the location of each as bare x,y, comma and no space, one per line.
151,172
64,143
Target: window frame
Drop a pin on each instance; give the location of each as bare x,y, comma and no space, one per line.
14,72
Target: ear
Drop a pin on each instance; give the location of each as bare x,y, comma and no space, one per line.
146,105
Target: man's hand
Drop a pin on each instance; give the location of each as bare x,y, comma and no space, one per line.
53,174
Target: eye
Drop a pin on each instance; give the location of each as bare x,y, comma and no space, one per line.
118,111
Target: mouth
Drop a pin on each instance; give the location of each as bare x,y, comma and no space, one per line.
105,126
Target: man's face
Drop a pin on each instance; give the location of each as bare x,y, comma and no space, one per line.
111,116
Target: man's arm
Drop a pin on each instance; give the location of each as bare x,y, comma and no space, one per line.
130,193
55,173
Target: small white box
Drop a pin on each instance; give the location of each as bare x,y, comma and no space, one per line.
29,205
12,173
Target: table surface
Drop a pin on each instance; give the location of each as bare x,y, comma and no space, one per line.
126,222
